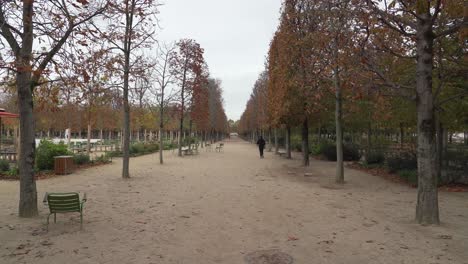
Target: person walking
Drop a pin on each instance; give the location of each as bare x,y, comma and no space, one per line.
261,146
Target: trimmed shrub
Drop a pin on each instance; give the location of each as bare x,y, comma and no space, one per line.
297,146
137,148
169,146
151,147
81,159
404,161
409,175
13,172
329,151
114,154
4,166
375,157
350,152
105,158
320,148
46,152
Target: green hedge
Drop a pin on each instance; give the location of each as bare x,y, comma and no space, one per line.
138,149
81,159
375,157
402,161
411,176
320,148
4,166
45,153
350,152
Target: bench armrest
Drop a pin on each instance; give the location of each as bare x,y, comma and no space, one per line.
84,198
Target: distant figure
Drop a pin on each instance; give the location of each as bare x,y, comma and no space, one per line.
261,146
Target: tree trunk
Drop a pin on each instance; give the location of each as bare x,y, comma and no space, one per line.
88,141
402,134
439,149
126,132
28,192
276,141
339,179
270,145
161,128
288,142
190,134
25,85
181,128
369,140
319,137
427,209
305,143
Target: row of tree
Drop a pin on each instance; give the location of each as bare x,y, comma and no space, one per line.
364,64
86,65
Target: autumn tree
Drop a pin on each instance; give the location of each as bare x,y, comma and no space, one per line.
186,62
130,27
421,24
164,78
32,34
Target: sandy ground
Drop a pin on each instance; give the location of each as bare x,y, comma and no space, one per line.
219,207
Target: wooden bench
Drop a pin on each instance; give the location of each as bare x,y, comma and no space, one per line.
282,153
219,147
64,203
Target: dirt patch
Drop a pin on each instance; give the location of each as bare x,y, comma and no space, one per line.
272,256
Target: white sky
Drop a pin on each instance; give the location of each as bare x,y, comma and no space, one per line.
235,35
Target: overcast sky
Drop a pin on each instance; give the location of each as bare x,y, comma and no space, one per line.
235,35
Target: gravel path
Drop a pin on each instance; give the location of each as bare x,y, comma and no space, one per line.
221,207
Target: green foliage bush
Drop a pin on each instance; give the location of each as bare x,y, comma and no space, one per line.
4,166
143,148
329,151
402,161
375,157
81,159
105,158
151,148
169,145
46,152
350,152
296,146
114,153
189,140
137,148
13,172
320,148
409,175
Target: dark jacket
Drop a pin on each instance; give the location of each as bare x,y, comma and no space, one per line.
261,143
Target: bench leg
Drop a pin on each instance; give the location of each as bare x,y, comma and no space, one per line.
47,227
55,218
81,220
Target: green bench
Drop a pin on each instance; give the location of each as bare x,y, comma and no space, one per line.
64,203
